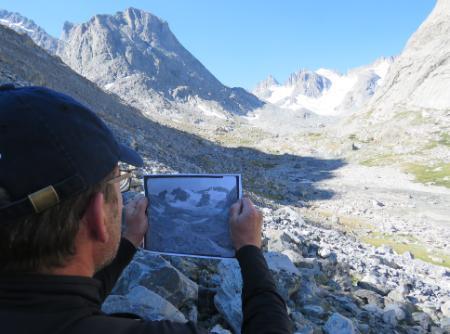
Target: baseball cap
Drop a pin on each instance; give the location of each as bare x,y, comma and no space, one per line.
51,148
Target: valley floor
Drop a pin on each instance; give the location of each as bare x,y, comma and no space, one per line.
381,205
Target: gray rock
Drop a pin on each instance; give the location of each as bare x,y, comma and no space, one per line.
390,318
308,291
372,282
399,294
313,311
294,255
279,241
408,255
158,275
144,303
393,313
324,252
228,297
338,324
370,297
287,276
217,329
422,319
445,308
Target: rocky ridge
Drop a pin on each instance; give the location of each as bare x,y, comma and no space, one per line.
24,25
135,55
325,92
408,118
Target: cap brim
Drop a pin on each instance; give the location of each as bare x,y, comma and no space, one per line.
130,156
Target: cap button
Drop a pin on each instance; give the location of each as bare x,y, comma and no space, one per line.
7,87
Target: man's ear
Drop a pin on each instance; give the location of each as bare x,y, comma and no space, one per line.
95,218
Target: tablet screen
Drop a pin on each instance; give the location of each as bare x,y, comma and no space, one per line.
188,214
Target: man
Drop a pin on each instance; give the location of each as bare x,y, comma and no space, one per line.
61,250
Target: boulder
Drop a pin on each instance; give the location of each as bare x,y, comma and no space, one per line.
393,313
338,324
422,319
155,273
315,311
445,309
144,303
228,297
399,294
279,241
217,329
370,297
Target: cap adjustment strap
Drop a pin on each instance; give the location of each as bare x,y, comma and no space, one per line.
44,199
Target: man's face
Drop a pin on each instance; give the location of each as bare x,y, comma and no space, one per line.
113,214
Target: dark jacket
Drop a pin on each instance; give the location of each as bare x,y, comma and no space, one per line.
44,304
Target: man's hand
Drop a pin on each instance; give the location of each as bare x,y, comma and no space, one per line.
136,222
245,224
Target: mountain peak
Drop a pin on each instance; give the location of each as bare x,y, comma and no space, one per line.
308,83
24,25
134,52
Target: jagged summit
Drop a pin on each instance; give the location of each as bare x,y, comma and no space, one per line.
308,83
134,54
24,25
263,88
326,92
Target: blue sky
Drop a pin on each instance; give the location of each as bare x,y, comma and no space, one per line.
243,41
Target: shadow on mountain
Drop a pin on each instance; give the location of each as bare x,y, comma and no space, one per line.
288,179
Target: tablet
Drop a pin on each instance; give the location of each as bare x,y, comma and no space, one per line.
188,213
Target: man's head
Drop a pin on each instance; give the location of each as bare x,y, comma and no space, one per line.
58,164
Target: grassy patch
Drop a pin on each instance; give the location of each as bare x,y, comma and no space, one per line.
380,160
417,250
438,174
445,139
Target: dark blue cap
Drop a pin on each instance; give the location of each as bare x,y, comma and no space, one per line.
47,139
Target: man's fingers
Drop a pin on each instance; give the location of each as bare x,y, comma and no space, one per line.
247,206
235,209
142,203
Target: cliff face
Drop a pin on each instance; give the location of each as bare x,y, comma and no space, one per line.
135,55
408,118
420,76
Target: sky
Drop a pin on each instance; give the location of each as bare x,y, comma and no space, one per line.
243,41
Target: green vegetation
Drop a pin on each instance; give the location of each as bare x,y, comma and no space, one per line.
438,174
407,244
380,160
445,139
314,135
400,243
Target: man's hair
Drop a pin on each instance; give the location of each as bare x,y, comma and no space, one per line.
46,240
